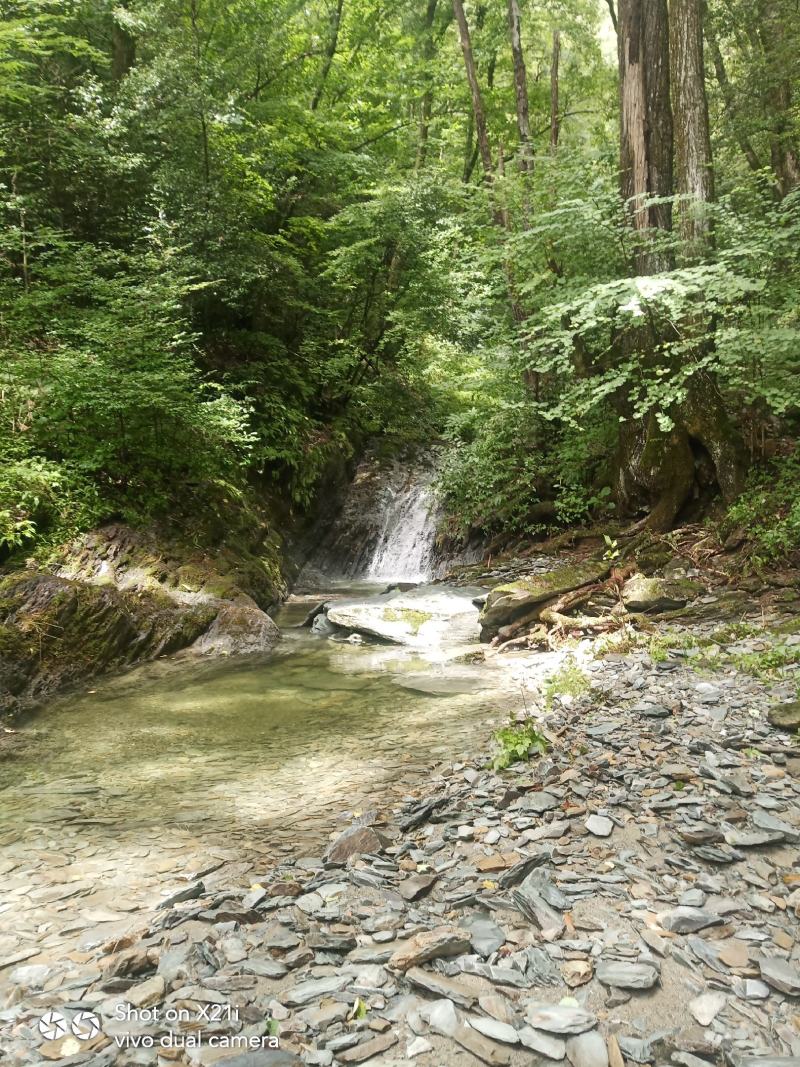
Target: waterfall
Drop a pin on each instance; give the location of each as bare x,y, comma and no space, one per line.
405,548
385,529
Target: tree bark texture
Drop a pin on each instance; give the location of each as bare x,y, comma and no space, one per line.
520,86
555,117
645,121
478,112
426,103
693,162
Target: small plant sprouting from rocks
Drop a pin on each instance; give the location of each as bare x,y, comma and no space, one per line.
518,741
568,680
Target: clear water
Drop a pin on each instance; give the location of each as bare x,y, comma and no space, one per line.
278,744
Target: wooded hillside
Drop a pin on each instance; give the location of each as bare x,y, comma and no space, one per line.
243,237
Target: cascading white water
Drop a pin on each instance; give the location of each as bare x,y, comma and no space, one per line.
404,550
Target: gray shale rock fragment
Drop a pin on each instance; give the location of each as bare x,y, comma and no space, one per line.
494,1029
430,945
441,1016
367,1049
416,886
750,989
553,1048
686,920
559,1018
764,821
599,825
441,986
479,1046
587,1050
623,975
540,802
486,936
314,989
741,839
781,975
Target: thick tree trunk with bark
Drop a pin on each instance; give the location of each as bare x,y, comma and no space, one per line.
693,162
520,86
478,112
656,467
645,121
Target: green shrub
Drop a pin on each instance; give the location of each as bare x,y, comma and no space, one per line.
769,511
518,741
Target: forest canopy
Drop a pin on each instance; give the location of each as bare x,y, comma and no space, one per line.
243,237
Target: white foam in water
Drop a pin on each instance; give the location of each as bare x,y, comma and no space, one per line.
404,551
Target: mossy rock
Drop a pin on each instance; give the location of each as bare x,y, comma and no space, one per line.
785,716
659,594
507,603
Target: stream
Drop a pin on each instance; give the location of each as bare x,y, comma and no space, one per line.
179,767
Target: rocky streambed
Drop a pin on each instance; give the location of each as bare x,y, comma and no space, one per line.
630,897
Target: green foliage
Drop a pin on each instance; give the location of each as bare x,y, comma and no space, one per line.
568,680
769,512
517,742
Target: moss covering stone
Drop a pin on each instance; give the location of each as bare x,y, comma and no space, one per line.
507,603
659,594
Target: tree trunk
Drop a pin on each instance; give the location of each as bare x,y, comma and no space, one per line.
555,118
426,103
330,52
693,162
478,112
783,149
645,122
728,98
520,87
123,48
656,467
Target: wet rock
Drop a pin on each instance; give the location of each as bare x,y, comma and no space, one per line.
355,841
430,945
507,603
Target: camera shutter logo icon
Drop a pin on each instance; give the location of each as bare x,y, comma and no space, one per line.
53,1025
86,1025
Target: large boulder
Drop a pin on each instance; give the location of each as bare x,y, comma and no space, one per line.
508,603
659,594
121,596
54,632
420,617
